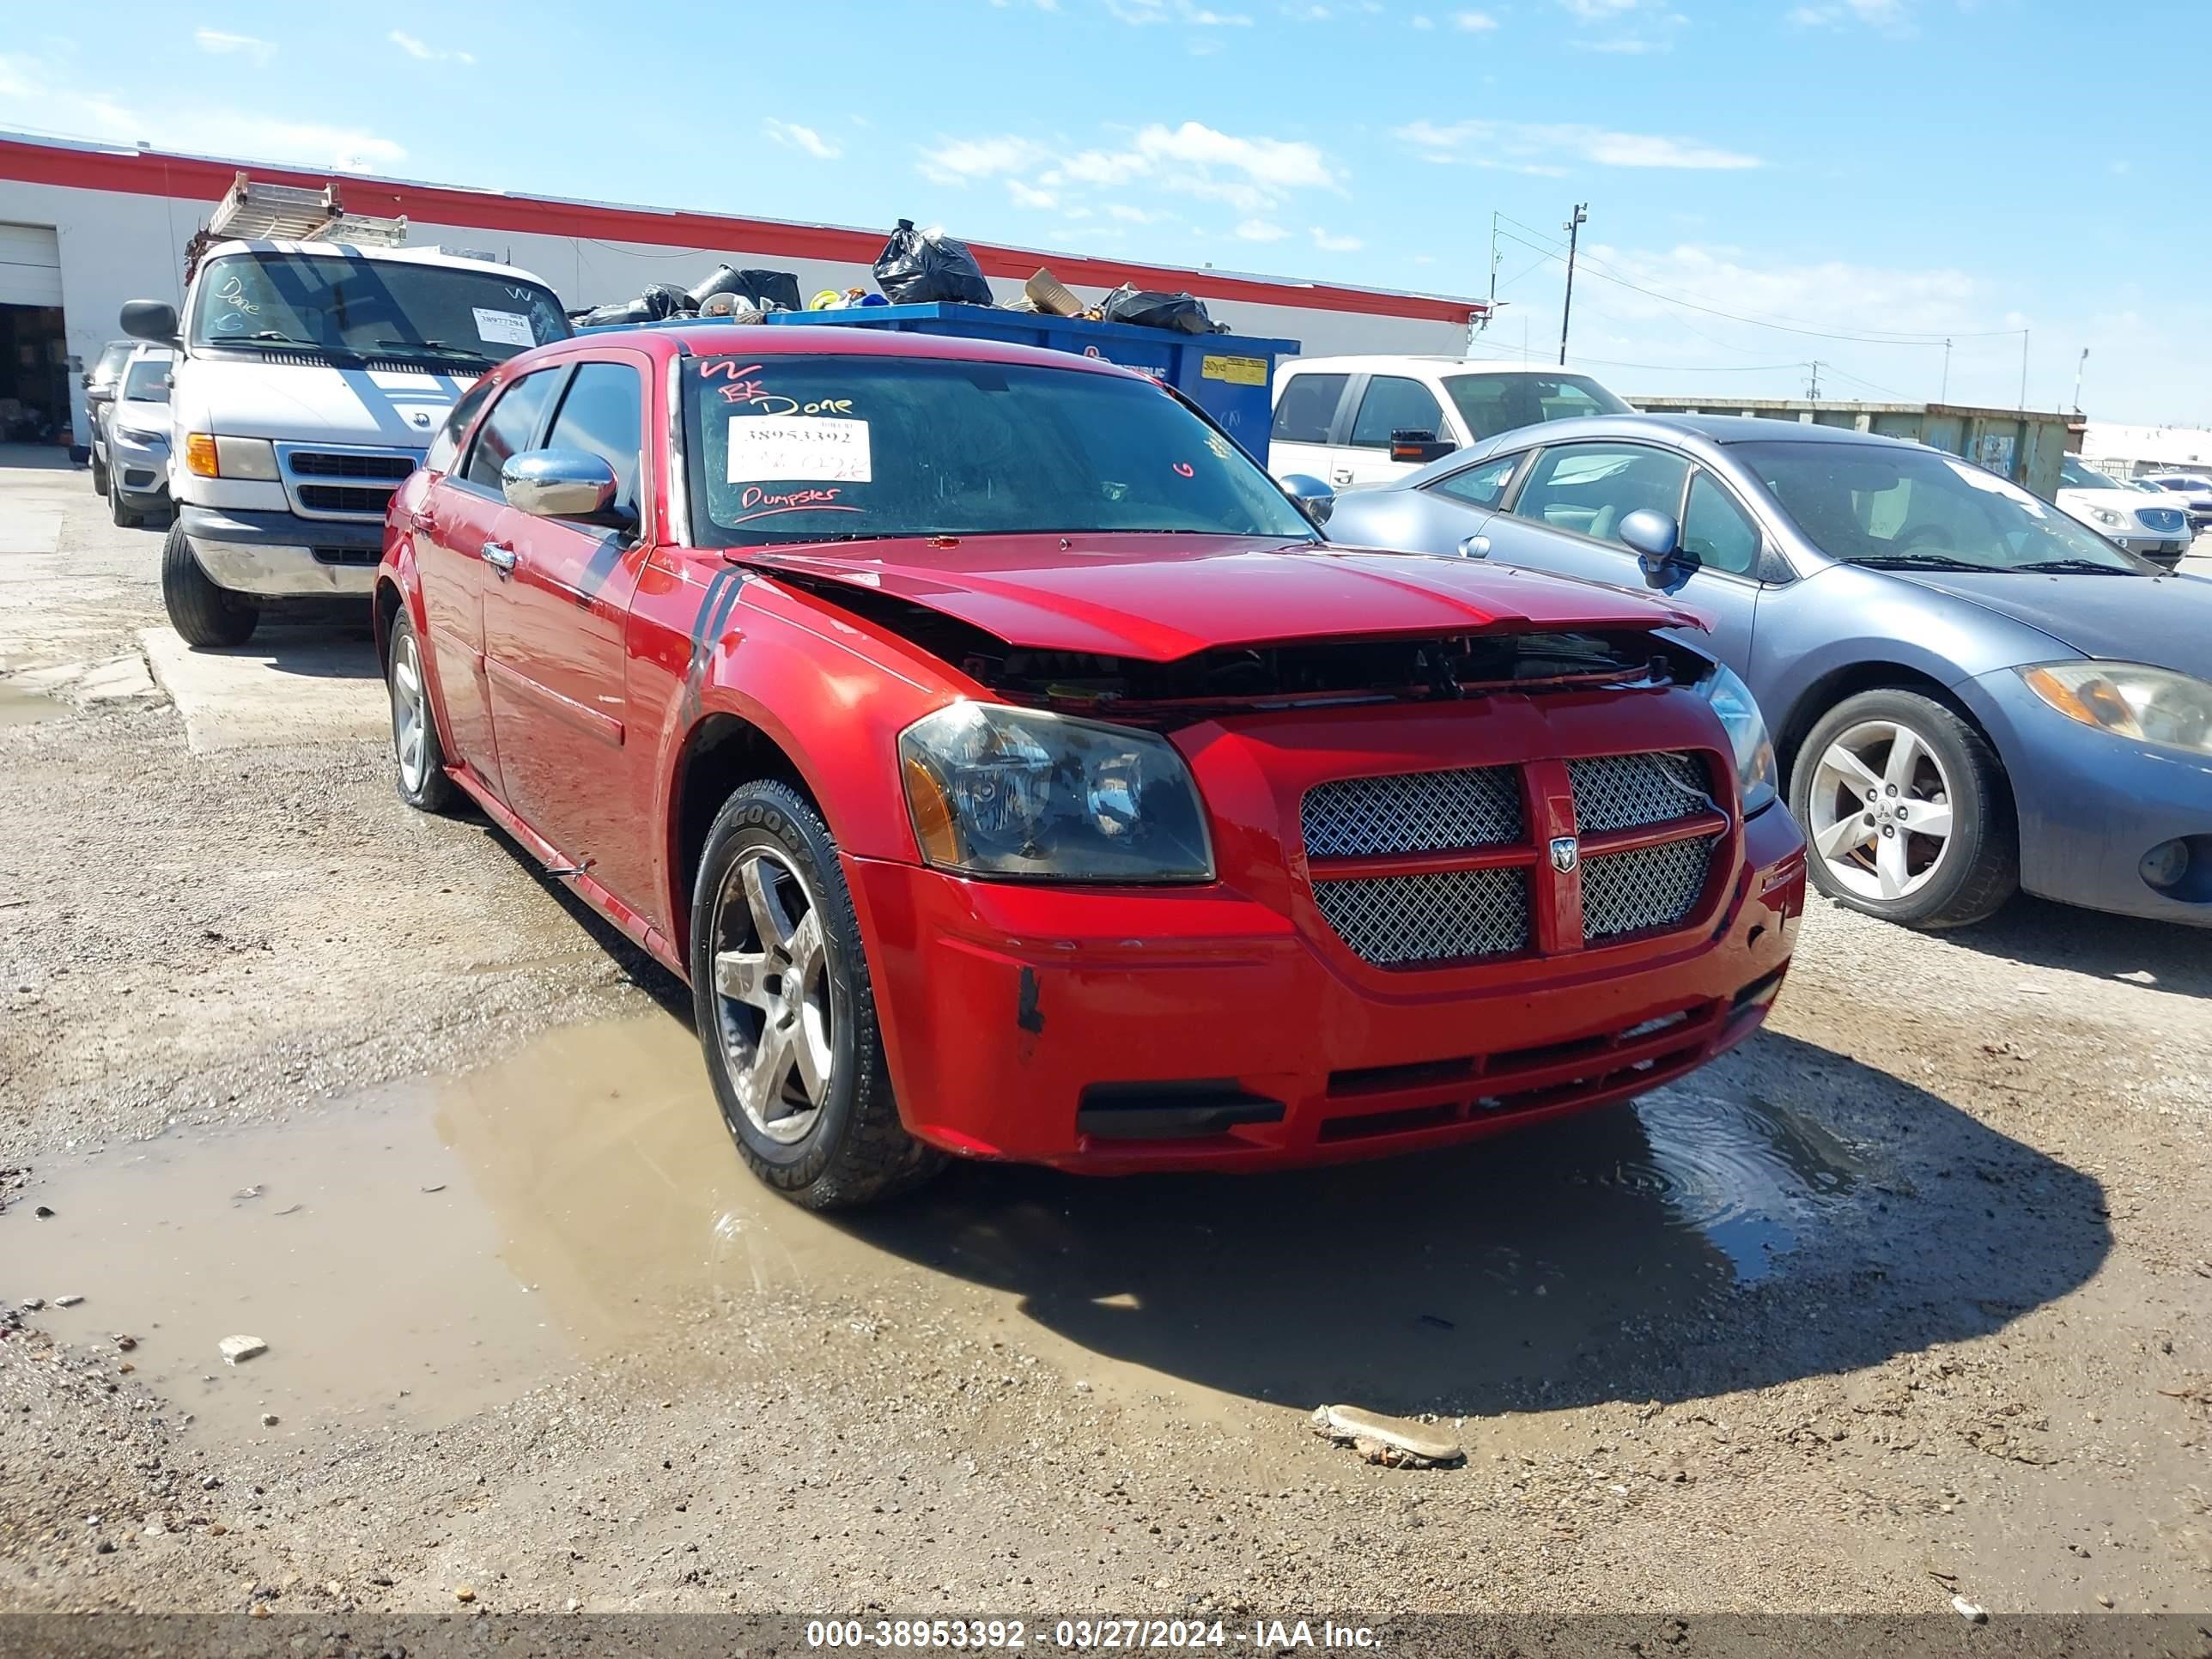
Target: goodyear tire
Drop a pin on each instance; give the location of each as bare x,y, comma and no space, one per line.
786,1012
201,613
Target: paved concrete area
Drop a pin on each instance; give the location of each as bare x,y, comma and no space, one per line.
287,685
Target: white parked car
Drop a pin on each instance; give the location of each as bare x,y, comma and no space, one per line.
134,438
1356,421
2135,519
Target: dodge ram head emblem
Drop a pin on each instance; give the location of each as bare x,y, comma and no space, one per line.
1566,853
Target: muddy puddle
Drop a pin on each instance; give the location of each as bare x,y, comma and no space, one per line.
20,707
430,1249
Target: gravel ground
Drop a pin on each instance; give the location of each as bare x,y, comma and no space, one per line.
1905,1298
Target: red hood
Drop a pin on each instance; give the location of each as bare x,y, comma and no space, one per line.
1159,597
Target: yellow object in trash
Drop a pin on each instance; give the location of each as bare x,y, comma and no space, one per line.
828,300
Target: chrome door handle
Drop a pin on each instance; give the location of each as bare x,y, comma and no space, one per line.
499,557
1340,475
421,523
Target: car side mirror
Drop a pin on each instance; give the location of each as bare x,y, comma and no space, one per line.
1419,445
562,483
150,319
1656,539
1315,499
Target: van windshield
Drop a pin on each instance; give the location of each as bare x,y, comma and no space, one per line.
350,305
850,448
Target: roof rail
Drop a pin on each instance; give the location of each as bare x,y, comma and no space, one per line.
297,213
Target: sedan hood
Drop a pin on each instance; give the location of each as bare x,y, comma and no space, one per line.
2165,621
1161,597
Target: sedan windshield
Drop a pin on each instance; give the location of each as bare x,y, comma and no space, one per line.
349,305
1905,507
844,448
2074,474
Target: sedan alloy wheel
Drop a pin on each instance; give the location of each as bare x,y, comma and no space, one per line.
1881,816
773,995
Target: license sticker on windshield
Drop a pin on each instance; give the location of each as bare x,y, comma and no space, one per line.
503,327
809,448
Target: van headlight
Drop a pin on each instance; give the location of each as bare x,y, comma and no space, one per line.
2129,700
1757,781
996,791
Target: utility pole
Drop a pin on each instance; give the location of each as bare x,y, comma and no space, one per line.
1812,387
1573,228
2023,368
1944,396
2079,365
1492,312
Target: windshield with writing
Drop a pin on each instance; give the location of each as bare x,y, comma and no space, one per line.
1907,508
350,305
802,449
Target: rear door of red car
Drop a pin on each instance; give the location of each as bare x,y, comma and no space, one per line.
554,626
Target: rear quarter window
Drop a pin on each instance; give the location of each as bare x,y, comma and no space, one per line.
1307,410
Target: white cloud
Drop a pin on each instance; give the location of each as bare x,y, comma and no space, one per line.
1249,174
1473,22
1421,21
1329,244
224,44
1598,11
1132,216
1142,12
423,52
1261,230
792,136
963,159
1519,146
1030,197
41,96
1630,45
1888,15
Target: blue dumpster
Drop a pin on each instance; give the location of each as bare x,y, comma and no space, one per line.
1227,375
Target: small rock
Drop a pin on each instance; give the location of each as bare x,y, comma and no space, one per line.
1083,1388
259,1610
572,1605
235,1348
440,1187
464,1593
105,1547
156,1530
381,1580
209,1482
43,1212
125,1343
1967,1611
217,1529
268,1420
291,1209
254,1191
1395,1442
2104,1600
69,1301
33,1303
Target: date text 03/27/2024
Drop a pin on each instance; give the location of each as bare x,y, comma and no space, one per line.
1262,1635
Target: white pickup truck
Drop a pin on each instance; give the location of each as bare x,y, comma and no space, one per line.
310,377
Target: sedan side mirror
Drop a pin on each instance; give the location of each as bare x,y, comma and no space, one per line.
1315,499
562,483
150,319
1655,538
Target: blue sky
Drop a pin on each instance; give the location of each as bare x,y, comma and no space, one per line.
1761,174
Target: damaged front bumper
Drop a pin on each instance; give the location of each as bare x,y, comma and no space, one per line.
1105,1032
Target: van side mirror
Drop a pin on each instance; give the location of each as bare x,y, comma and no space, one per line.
1655,538
1419,445
150,319
1314,498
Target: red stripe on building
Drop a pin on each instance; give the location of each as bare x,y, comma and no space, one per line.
150,173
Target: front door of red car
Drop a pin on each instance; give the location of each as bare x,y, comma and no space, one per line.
556,604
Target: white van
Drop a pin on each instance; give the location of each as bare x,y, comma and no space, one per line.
1356,421
310,376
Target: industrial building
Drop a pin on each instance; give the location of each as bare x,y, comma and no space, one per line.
84,228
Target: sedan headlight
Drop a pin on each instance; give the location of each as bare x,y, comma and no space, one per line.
2129,700
1756,779
2104,516
1017,792
139,434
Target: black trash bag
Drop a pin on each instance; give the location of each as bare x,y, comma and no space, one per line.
624,312
664,299
760,290
1179,314
917,269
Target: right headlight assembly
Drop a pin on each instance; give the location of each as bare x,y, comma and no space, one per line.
1005,792
2129,700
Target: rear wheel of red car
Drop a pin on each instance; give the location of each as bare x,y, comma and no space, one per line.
785,1014
418,756
1907,811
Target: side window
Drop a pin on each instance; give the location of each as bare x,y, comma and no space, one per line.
1395,404
1307,408
1590,488
1716,530
1479,486
508,430
445,447
603,414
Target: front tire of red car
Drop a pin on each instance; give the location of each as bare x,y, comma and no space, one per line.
786,1012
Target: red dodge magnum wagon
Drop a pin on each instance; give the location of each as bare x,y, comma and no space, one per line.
1013,773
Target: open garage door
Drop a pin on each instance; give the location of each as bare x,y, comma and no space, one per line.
30,266
35,394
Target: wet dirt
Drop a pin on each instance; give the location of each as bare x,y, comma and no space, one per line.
423,1249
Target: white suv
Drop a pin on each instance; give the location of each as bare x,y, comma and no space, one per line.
1352,422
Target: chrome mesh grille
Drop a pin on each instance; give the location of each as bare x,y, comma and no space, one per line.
1446,916
1625,792
1652,887
1412,812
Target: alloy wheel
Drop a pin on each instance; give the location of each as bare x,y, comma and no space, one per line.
1881,810
410,713
772,994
